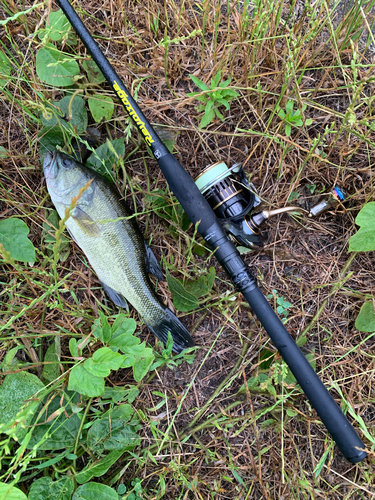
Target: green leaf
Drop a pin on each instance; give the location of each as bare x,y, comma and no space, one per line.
366,216
60,432
199,83
207,119
116,430
118,394
289,107
15,392
143,363
103,361
95,491
49,138
85,383
101,106
57,28
55,67
13,236
365,321
97,469
8,492
103,159
51,371
94,74
46,489
202,285
106,329
122,342
5,69
225,84
288,130
73,348
182,299
123,326
363,240
70,113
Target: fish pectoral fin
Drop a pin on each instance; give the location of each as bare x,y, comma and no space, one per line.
116,298
85,222
153,265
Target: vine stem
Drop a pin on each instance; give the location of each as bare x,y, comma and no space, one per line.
76,444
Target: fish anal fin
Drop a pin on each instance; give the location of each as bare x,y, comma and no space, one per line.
116,297
85,222
153,265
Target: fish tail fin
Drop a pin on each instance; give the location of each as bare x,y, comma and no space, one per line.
170,323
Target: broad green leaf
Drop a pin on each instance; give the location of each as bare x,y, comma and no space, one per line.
51,371
140,358
116,430
101,106
13,236
8,492
73,347
202,285
85,383
103,158
199,83
182,299
363,240
103,361
117,394
47,489
57,28
60,432
98,468
9,360
366,216
106,329
365,321
94,74
5,69
70,113
122,342
143,364
16,389
55,67
3,151
95,491
123,326
49,138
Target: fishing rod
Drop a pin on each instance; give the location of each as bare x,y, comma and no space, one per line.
192,197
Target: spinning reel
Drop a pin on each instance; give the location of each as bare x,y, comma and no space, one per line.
233,198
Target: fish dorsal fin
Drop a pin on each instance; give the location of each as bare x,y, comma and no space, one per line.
153,265
116,298
85,222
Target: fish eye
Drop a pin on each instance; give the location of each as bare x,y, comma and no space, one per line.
66,162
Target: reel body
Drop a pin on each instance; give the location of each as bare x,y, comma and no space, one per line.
233,198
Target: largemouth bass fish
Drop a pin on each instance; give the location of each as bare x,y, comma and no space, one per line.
104,228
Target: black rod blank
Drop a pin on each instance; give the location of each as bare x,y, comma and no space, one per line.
199,211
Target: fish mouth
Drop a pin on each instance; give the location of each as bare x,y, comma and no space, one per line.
50,165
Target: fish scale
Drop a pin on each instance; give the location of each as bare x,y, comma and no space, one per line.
115,248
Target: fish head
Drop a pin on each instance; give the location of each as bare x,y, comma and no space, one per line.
64,176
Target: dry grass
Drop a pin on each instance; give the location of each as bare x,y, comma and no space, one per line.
253,446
